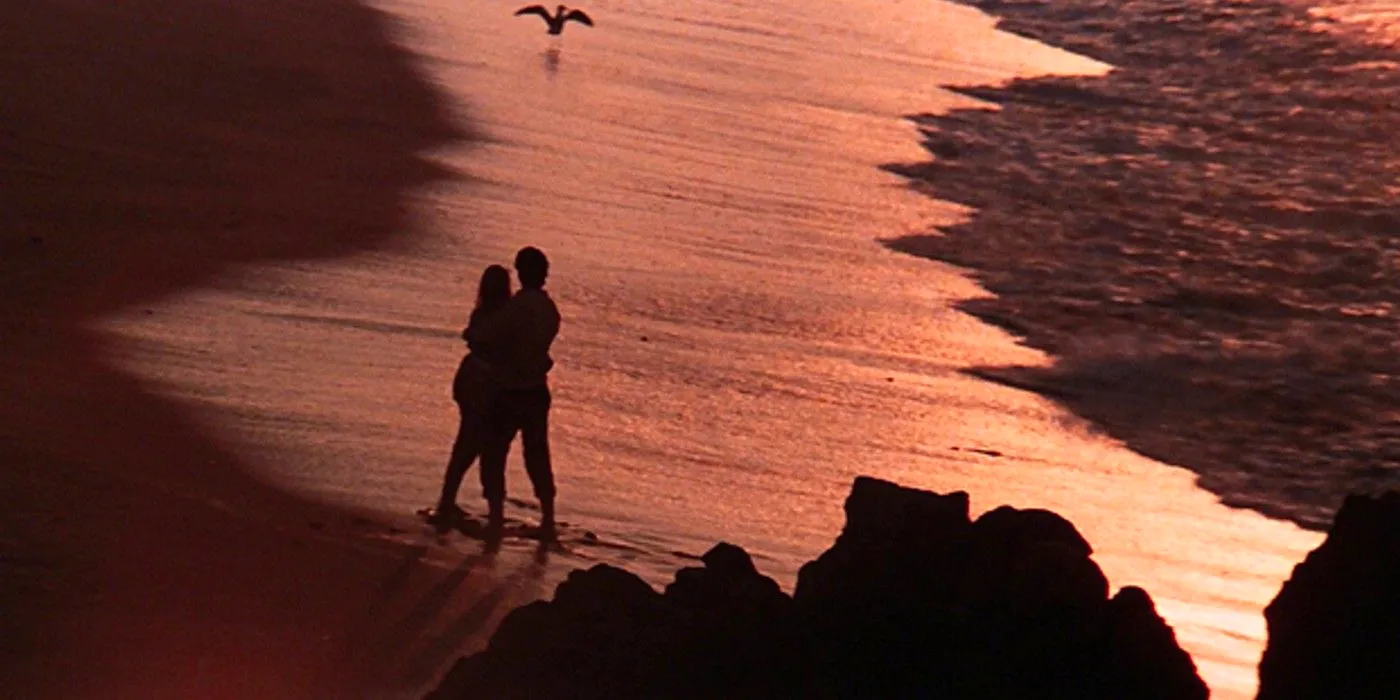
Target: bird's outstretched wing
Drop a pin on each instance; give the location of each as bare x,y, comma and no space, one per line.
533,10
578,16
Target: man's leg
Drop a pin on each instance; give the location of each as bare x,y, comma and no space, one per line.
500,429
533,407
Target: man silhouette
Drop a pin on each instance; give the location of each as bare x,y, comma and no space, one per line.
528,326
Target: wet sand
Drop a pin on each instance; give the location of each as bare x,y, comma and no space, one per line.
149,147
737,345
742,385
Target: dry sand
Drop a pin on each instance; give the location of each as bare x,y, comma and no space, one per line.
149,146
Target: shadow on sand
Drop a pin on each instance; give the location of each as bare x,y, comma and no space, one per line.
149,146
420,621
1205,238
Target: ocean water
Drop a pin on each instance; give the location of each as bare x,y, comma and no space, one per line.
738,342
1206,237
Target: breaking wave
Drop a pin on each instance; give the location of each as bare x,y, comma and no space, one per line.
1207,237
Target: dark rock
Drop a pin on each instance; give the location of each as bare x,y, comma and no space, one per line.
1334,628
1032,558
888,515
729,584
913,600
1053,575
730,561
1013,530
1146,661
892,533
742,637
605,590
605,634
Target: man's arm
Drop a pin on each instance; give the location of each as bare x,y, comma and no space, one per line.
493,329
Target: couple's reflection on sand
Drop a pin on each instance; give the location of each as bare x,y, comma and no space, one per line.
491,545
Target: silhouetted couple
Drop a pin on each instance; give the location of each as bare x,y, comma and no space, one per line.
502,389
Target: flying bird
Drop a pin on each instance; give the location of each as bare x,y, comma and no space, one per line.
557,20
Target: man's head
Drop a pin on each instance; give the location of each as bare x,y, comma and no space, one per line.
532,267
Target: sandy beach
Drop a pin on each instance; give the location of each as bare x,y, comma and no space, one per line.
151,146
238,240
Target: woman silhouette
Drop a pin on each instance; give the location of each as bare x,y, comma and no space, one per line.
473,388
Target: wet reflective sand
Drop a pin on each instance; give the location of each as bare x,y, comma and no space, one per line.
737,342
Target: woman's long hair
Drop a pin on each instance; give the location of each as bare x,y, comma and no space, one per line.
494,290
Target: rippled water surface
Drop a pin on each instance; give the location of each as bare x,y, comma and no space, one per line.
1207,236
737,344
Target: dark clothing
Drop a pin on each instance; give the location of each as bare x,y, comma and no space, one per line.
514,348
474,388
527,326
480,339
475,382
523,411
465,449
482,368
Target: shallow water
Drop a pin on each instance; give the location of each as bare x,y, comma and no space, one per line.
738,345
1211,251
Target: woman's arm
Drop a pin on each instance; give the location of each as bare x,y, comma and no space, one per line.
488,329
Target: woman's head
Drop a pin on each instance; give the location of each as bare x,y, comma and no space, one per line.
494,289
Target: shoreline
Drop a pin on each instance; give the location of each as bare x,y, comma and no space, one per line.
1178,236
154,147
383,590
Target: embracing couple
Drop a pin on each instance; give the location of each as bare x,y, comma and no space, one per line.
502,389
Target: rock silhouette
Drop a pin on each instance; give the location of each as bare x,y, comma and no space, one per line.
1334,628
913,600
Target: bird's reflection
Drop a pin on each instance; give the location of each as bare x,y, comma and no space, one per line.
551,60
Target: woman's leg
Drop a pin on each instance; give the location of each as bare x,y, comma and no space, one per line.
464,450
496,449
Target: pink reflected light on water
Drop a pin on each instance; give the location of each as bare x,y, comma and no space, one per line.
737,345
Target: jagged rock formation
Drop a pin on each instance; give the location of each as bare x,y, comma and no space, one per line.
1334,629
914,600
